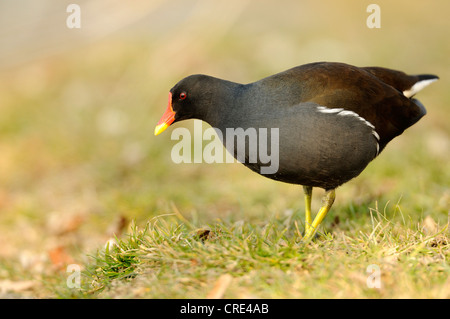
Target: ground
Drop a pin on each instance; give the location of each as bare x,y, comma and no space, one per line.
85,183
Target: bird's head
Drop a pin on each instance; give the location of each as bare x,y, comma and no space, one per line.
190,98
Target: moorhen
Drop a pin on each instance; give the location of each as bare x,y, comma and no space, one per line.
331,120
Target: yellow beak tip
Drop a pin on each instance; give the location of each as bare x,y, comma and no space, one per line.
160,128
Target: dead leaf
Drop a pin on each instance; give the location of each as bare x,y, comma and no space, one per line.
60,258
429,225
203,234
32,261
15,286
220,287
194,262
117,228
206,234
60,224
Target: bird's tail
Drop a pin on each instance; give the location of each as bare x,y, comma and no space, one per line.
423,80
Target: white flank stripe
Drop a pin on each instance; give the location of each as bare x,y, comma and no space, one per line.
341,112
323,109
417,87
344,113
376,135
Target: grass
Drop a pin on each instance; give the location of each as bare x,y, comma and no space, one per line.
80,167
170,259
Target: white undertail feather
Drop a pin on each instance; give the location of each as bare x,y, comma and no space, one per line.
417,87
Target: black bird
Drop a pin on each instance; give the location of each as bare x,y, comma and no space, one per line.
332,119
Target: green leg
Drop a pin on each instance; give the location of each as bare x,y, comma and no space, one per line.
308,219
327,202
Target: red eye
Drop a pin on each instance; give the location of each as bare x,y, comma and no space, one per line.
183,95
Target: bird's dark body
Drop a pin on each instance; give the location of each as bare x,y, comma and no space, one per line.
328,159
333,118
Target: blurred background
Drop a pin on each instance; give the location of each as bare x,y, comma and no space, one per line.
78,158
